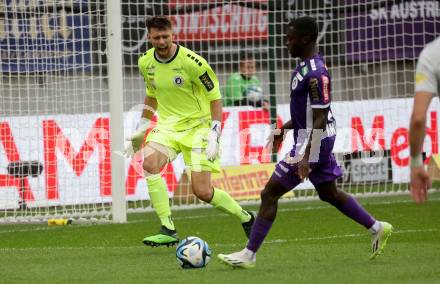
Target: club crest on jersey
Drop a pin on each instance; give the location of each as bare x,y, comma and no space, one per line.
178,81
296,79
294,83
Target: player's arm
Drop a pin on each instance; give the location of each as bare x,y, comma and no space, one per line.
215,131
319,125
216,110
286,127
426,86
417,126
277,136
419,178
150,102
319,93
206,79
150,106
425,89
148,110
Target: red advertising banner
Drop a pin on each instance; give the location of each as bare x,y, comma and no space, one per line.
228,22
174,3
75,151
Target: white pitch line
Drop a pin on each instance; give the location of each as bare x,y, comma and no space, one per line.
25,230
278,241
308,208
333,237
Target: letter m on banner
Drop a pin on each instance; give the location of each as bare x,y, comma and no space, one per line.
96,140
376,137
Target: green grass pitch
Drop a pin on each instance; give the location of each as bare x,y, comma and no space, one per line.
310,242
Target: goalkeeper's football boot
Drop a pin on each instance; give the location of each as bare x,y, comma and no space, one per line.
242,259
165,237
379,239
247,226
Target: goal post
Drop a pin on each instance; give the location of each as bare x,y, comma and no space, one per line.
116,91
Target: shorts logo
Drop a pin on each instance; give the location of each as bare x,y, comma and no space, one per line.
206,81
178,81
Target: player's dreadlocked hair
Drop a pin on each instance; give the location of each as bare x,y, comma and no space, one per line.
305,26
158,22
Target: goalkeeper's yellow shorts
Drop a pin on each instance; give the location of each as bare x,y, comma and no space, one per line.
191,143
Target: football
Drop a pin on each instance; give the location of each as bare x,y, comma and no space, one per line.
254,93
193,252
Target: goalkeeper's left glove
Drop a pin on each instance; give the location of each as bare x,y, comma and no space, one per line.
137,138
213,140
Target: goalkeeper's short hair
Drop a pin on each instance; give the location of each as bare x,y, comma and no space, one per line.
159,22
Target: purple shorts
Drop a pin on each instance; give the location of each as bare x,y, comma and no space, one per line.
325,170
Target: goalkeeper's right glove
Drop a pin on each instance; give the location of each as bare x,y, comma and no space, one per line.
137,138
213,140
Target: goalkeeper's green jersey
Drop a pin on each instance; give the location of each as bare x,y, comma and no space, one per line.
183,86
237,87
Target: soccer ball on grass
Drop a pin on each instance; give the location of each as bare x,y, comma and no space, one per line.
193,252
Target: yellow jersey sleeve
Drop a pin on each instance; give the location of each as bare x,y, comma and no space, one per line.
205,78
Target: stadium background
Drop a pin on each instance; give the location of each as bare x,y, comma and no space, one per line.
381,66
55,82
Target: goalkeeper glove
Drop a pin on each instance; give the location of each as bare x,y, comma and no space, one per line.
137,138
213,140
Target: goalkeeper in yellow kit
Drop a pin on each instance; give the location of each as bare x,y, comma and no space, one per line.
184,90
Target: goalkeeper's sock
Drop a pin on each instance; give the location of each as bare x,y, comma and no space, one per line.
224,202
260,229
157,189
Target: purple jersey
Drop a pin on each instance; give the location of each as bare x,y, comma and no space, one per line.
310,88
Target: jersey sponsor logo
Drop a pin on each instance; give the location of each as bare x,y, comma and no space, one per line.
178,81
305,70
207,81
325,88
314,89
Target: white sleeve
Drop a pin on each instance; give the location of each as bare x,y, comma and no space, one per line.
426,79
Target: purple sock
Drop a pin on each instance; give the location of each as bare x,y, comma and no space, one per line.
260,229
355,211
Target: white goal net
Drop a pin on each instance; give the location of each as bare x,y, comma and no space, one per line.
54,97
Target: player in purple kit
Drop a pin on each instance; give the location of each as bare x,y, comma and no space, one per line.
311,157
